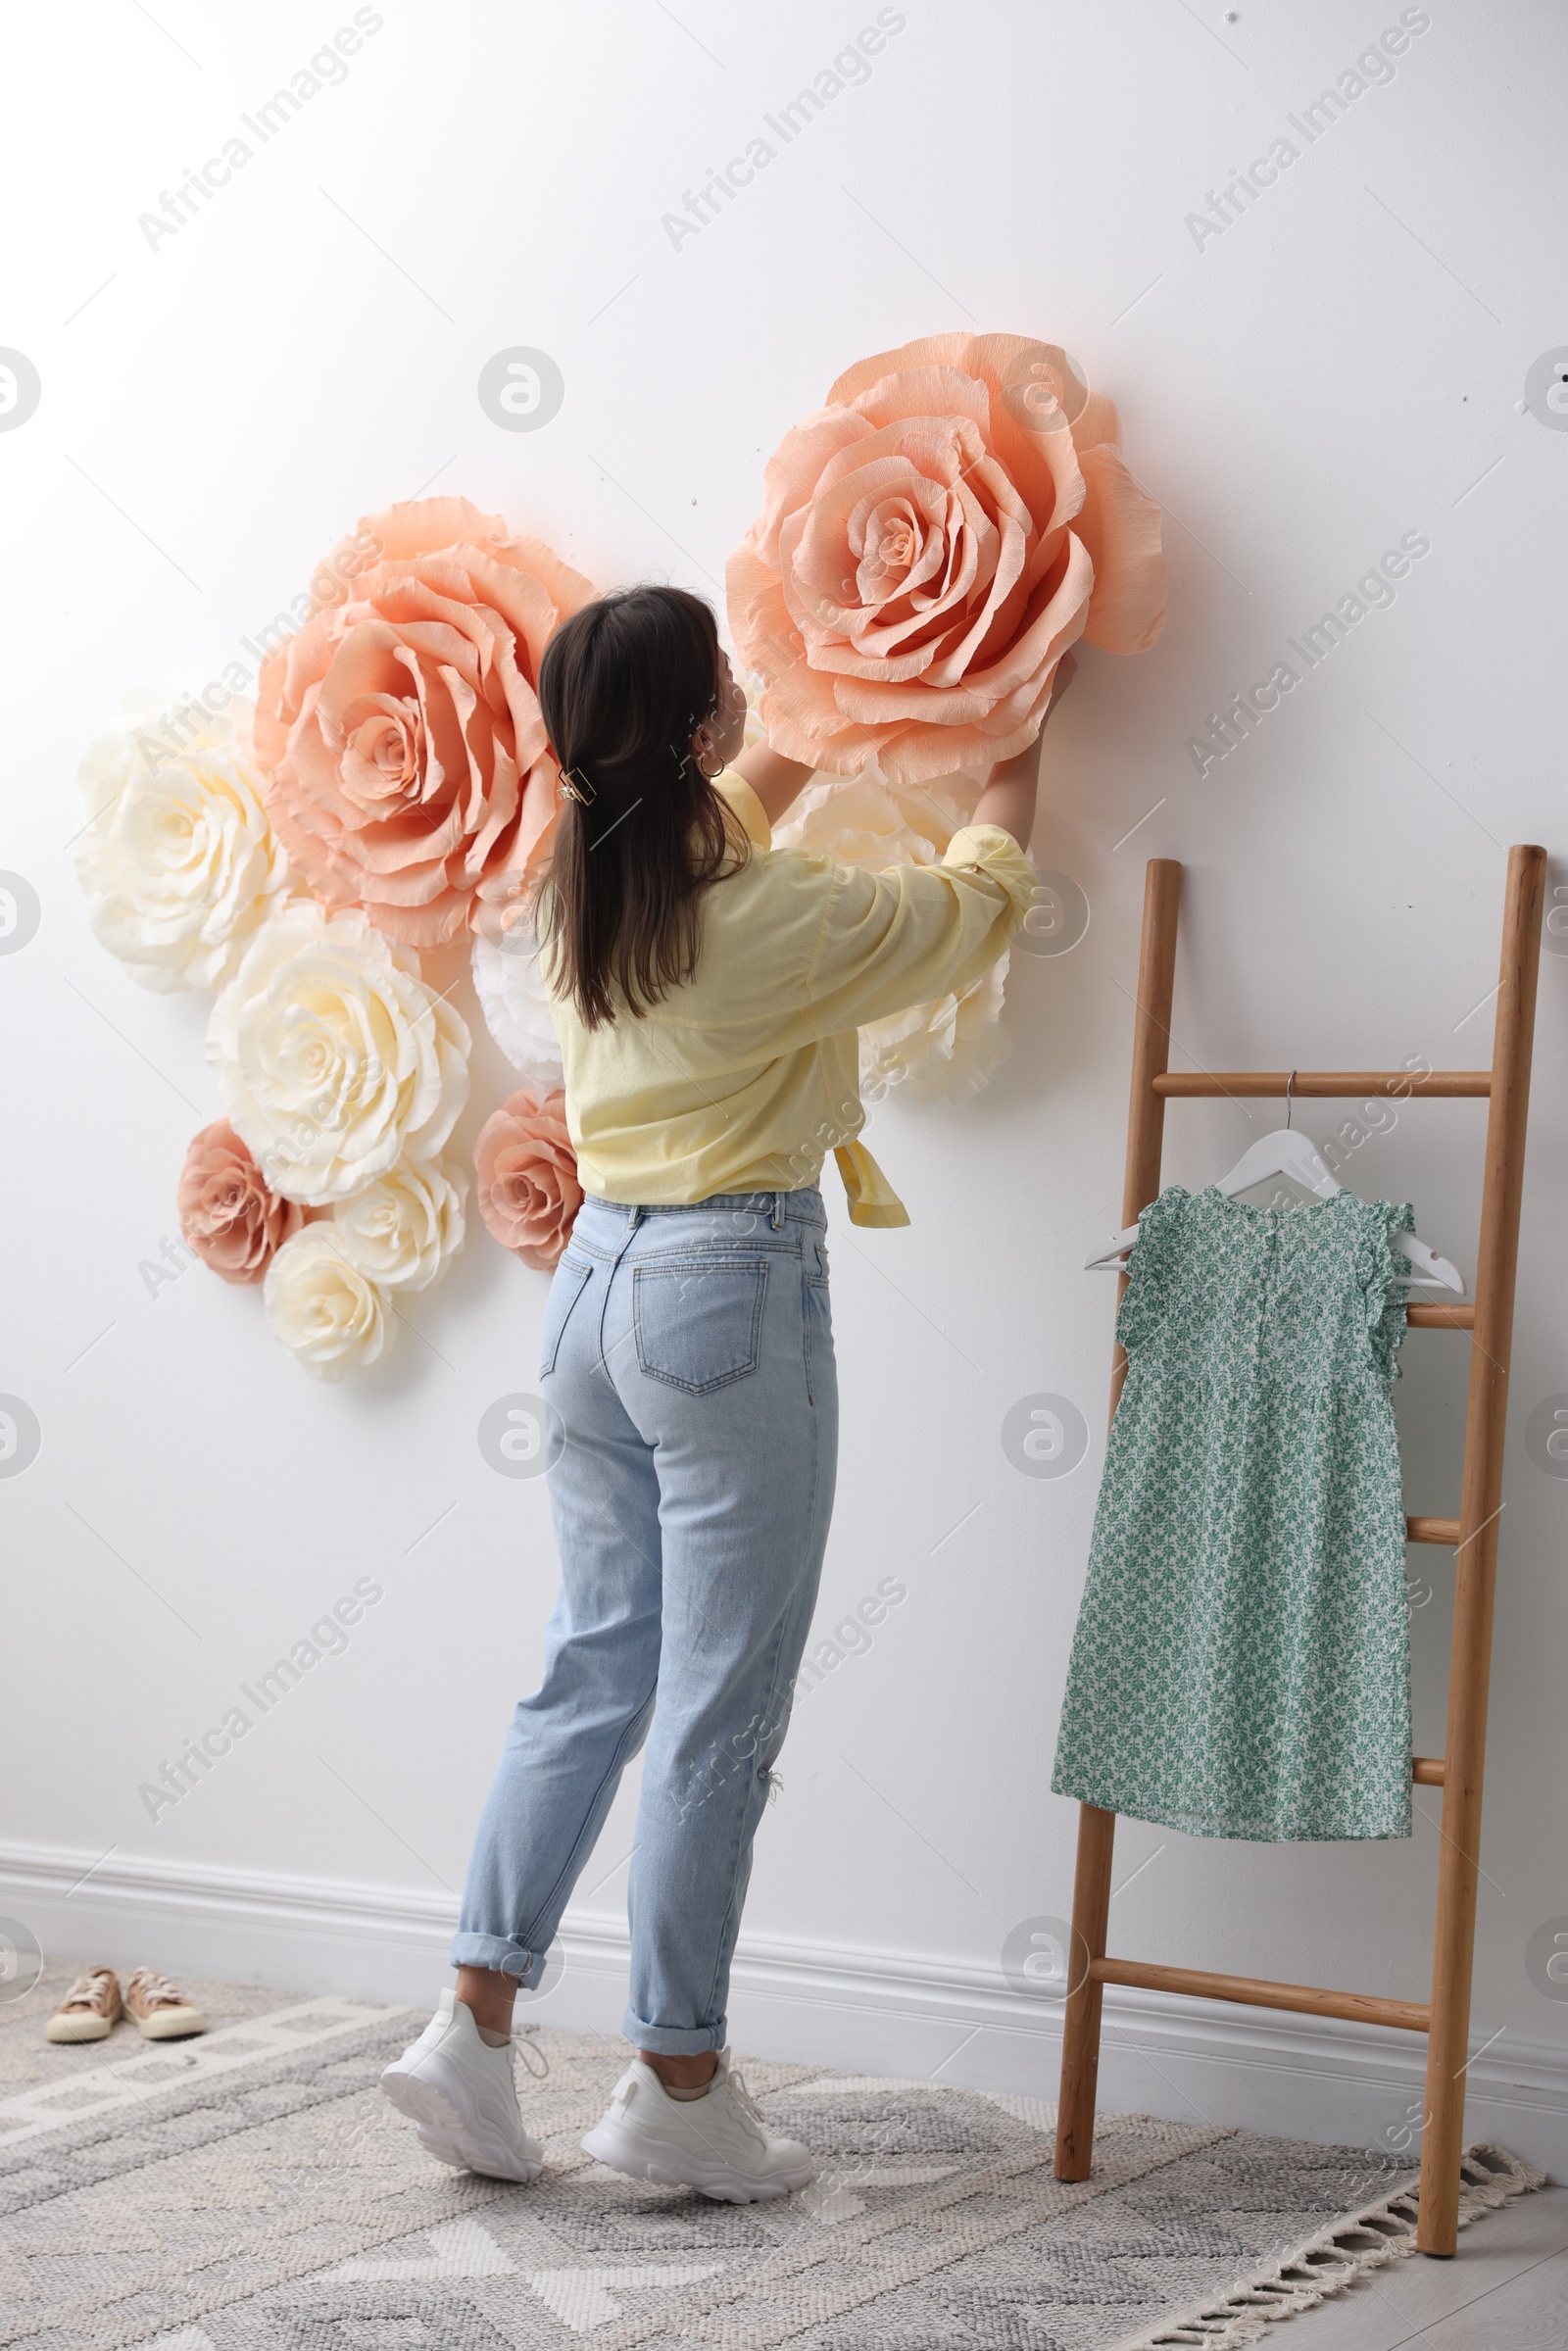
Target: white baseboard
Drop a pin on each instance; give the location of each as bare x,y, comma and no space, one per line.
865,2011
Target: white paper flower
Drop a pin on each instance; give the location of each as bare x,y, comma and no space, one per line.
177,858
515,1004
942,1050
402,1229
328,1313
333,1058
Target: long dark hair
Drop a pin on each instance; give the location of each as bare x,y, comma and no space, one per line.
622,687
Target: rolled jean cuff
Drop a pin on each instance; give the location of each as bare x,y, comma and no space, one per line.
673,2040
498,1951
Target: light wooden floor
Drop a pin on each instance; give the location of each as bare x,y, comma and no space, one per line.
1506,2290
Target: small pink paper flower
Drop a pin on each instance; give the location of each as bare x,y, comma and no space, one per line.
932,542
408,770
229,1217
527,1171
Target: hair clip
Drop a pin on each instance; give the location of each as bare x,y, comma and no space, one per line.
576,786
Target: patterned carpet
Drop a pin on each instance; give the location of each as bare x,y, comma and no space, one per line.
250,2191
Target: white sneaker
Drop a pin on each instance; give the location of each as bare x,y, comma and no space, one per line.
719,2143
461,2094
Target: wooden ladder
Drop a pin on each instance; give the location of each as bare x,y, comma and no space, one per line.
1446,2019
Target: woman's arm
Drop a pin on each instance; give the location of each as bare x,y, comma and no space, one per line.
873,944
1009,798
775,780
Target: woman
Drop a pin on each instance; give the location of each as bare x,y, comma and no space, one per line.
706,991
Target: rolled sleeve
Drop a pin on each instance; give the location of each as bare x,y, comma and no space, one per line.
991,851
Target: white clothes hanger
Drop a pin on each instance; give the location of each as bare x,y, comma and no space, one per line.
1289,1152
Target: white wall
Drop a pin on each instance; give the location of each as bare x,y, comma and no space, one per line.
1346,362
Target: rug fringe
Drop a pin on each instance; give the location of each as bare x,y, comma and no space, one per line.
1326,2263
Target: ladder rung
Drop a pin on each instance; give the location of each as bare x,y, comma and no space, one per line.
1429,1771
1431,1530
1412,2016
1325,1082
1441,1318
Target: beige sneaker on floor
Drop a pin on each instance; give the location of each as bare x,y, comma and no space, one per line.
90,2009
161,2012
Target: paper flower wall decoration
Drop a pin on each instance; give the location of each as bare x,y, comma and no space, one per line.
228,1215
400,1230
527,1171
515,1002
408,770
931,543
331,1316
334,1059
177,858
393,790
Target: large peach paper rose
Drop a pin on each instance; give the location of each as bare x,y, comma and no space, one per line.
931,543
408,772
528,1189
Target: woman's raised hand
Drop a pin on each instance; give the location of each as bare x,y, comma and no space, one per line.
1009,798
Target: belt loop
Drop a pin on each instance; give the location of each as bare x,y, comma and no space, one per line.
777,1218
636,1220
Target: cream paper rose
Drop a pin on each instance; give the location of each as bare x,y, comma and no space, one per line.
931,543
516,1003
940,1050
332,1318
333,1058
178,858
402,1229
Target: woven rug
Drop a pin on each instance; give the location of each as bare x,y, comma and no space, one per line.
250,2191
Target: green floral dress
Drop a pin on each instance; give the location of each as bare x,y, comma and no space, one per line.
1241,1662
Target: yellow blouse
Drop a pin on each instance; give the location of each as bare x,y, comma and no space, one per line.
748,1074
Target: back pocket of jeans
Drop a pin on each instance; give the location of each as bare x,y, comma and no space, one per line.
699,1320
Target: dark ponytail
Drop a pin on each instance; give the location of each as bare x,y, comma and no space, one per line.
622,687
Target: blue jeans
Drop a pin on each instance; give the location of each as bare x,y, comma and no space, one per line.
689,1355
